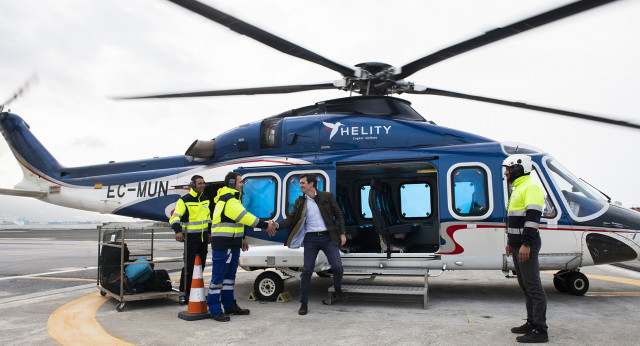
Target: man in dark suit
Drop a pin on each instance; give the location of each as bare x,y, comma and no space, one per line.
313,219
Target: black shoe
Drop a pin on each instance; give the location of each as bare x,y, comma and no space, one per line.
221,317
303,309
537,335
236,310
523,329
339,295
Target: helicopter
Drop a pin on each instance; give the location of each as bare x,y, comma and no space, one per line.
438,190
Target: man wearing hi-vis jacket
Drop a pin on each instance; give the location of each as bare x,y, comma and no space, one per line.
193,217
227,238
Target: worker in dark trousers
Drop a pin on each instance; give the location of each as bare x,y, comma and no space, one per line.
523,244
193,216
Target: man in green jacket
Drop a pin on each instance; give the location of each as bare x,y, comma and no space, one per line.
313,218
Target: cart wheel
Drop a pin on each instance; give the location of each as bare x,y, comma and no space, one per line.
120,307
182,300
103,293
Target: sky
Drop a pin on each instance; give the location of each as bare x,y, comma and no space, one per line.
85,52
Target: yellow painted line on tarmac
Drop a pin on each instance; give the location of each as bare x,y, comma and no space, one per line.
615,279
75,323
52,278
606,278
626,281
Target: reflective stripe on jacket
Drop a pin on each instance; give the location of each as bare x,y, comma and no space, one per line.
193,213
228,220
524,212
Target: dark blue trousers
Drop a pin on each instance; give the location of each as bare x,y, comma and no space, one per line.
313,243
224,265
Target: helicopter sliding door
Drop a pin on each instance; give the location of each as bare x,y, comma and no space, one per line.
389,208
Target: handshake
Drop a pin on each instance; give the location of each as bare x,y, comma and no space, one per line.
273,226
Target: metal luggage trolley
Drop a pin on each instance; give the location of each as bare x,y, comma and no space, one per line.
120,244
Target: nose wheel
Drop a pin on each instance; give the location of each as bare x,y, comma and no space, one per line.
573,282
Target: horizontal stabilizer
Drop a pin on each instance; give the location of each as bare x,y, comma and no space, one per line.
22,193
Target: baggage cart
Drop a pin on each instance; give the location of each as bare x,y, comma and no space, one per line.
121,244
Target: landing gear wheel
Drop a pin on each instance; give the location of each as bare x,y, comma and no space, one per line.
559,283
268,286
103,293
120,307
577,283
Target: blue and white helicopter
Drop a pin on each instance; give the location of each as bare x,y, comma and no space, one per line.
436,193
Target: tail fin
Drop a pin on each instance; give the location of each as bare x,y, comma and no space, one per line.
30,153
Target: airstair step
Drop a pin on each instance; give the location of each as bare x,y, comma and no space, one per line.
377,289
382,289
384,271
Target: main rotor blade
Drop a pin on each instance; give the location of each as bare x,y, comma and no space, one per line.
284,89
429,91
498,34
262,36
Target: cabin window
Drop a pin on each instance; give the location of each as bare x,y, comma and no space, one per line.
365,210
293,189
259,196
470,193
415,200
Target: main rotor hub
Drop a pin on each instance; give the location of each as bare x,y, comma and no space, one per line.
374,67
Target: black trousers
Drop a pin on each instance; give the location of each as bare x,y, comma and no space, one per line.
529,279
194,247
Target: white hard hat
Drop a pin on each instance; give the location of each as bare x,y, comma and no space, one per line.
519,159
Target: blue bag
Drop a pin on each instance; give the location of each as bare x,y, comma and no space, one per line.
139,272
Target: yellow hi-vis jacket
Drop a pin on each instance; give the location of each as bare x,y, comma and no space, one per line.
228,220
524,212
193,214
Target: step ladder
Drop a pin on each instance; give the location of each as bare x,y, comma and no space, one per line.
379,289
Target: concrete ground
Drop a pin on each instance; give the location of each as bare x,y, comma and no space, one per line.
465,308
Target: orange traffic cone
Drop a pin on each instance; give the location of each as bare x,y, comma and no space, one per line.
197,309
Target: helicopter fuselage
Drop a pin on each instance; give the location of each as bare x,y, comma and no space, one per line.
440,192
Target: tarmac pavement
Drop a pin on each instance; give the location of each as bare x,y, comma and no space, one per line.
465,308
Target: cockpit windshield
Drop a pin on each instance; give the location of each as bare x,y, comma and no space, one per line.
581,200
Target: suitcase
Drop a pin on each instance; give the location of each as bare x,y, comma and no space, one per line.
109,261
139,272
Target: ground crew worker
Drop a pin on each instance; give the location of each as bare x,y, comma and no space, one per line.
193,215
227,238
313,217
523,244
